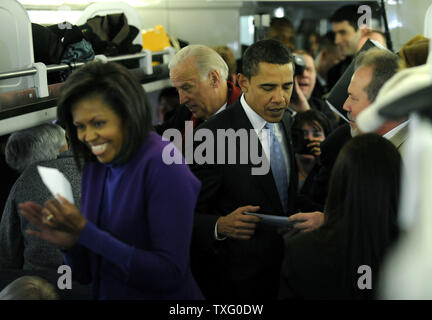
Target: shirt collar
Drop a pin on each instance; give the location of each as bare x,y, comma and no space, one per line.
256,120
221,109
395,130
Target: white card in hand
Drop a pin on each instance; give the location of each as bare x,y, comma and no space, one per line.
56,183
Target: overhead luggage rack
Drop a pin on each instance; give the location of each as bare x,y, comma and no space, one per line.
144,56
26,97
25,108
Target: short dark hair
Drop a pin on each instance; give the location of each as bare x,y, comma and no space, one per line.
362,203
385,64
281,23
119,89
311,117
269,51
347,13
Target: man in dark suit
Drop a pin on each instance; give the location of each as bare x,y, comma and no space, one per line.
200,76
234,255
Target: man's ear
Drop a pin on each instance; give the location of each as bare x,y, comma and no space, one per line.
215,79
243,82
324,53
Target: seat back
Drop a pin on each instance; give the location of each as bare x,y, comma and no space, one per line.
16,45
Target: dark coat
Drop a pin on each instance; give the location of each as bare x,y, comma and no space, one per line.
313,268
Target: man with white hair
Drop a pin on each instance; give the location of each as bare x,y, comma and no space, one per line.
200,76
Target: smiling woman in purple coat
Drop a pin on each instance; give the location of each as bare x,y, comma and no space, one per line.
131,239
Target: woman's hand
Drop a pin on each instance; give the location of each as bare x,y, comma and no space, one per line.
315,148
58,223
64,216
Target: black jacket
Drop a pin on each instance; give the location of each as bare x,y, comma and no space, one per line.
238,269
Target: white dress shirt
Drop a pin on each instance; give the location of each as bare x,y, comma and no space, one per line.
395,130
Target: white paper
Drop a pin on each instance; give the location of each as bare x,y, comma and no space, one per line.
277,221
56,183
337,111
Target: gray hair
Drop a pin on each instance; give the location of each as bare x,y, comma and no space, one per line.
29,288
206,60
385,65
40,143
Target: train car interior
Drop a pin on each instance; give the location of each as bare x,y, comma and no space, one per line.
42,42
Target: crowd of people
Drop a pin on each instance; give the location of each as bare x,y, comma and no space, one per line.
142,228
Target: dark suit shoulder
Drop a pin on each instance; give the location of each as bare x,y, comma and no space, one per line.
334,142
176,121
227,118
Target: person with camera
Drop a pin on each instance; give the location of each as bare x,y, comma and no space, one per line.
308,131
304,84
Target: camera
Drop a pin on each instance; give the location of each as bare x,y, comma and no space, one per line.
299,68
300,143
299,64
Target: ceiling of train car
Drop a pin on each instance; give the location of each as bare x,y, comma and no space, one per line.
308,8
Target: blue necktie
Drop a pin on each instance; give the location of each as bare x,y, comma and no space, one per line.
277,164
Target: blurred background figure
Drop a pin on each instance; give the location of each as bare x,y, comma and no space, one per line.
44,142
327,57
9,175
168,104
313,44
414,52
29,288
375,35
360,226
283,30
228,56
26,150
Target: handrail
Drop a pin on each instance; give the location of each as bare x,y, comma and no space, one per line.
63,66
17,73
